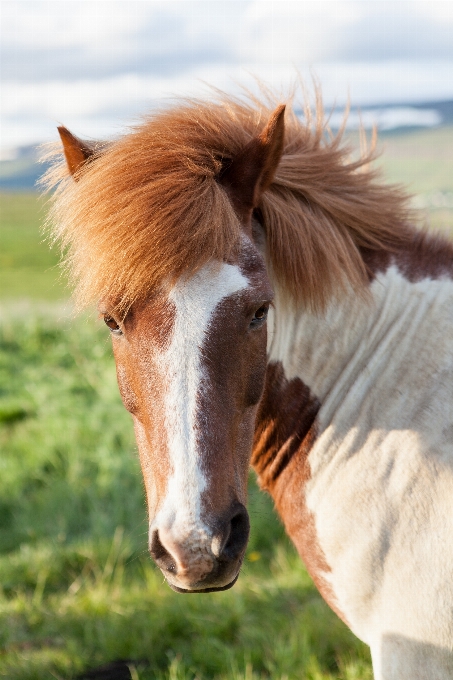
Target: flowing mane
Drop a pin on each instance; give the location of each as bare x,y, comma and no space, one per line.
148,207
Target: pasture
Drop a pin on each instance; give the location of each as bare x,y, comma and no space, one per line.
77,588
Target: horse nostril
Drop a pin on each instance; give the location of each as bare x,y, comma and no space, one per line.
160,554
237,534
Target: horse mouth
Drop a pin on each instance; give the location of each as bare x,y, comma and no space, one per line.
210,589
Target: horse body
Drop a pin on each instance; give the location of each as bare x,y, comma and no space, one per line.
378,489
187,233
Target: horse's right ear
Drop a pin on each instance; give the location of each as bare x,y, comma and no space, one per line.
249,174
76,151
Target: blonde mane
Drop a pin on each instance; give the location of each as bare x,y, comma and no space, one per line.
149,206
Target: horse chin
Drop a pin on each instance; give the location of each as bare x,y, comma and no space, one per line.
211,589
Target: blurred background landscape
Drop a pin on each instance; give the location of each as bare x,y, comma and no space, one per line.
77,588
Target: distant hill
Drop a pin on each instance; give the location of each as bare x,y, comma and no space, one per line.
445,109
395,118
22,173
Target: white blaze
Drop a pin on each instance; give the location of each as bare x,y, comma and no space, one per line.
195,300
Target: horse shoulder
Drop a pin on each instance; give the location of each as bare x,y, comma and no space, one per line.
368,499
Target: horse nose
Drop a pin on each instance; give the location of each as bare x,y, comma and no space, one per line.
207,558
231,541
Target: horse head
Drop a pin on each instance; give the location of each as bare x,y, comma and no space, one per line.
191,365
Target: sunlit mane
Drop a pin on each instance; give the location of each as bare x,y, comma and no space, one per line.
149,207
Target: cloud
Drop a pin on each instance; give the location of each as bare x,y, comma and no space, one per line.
99,109
95,64
399,30
292,32
74,39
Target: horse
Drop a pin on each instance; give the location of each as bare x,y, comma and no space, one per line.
271,301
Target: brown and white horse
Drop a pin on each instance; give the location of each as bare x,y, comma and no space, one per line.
269,301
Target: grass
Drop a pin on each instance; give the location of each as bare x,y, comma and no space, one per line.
423,162
77,586
422,159
28,267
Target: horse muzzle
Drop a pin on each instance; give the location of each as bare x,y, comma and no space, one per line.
202,560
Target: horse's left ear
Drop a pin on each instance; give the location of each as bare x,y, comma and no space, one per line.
251,172
76,151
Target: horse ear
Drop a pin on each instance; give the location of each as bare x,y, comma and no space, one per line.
251,172
76,151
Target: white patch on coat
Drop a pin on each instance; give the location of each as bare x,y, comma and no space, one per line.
178,519
381,487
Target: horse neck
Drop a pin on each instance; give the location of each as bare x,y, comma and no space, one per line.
334,377
315,347
328,350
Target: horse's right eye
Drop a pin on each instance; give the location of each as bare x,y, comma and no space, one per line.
112,324
260,316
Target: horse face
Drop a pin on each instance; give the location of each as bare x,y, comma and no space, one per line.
191,364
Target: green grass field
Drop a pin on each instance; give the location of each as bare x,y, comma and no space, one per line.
28,267
77,588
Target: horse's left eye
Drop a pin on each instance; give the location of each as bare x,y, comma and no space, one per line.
111,323
260,315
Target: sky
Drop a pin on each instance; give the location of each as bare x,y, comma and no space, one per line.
96,66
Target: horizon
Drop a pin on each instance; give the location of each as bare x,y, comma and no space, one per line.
386,117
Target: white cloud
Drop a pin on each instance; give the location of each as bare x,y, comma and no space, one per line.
102,108
438,10
96,64
71,23
293,32
77,39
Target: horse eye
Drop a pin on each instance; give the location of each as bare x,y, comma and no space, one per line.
260,315
111,323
